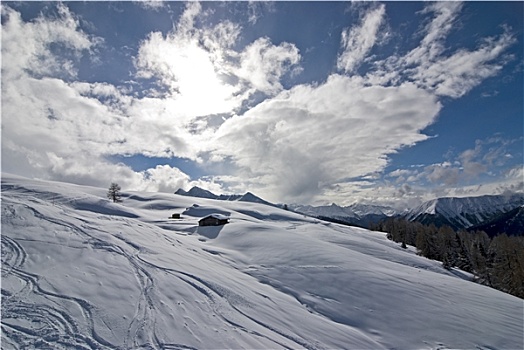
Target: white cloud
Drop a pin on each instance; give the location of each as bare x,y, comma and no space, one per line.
26,47
516,173
155,5
400,173
41,114
58,130
442,174
476,171
471,163
256,9
412,192
432,45
356,42
457,74
432,67
310,137
53,128
163,178
89,170
262,64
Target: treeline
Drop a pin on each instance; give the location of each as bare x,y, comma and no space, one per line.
496,262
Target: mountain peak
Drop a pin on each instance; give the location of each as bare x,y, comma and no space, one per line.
196,191
464,212
201,193
250,197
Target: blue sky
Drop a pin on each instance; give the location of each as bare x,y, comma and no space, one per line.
307,102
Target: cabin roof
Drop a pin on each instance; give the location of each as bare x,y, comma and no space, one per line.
217,216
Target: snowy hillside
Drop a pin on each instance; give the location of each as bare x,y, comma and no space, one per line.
465,212
81,272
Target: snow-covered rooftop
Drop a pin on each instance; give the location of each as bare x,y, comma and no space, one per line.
218,216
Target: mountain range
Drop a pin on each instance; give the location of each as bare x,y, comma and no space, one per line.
356,214
511,222
201,193
464,213
458,213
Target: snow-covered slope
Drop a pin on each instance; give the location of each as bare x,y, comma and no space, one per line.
464,212
81,272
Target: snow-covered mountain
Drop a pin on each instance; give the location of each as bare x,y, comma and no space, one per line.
333,211
201,193
464,212
197,192
79,271
511,223
355,214
250,197
368,209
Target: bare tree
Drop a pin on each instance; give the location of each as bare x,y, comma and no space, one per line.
114,192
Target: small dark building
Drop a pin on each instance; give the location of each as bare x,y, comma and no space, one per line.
213,220
175,216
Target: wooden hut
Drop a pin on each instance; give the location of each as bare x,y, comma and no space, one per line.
213,220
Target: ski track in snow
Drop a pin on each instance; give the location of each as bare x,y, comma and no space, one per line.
45,326
40,325
221,299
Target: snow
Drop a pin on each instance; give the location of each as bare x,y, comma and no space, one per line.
81,272
333,211
196,192
358,214
218,216
201,193
464,209
429,207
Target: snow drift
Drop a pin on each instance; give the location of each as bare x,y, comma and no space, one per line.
81,272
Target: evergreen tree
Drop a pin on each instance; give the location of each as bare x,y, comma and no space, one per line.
427,242
463,261
114,192
507,265
498,263
478,255
447,247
